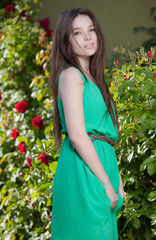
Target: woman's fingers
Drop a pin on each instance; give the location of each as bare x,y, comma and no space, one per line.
122,193
111,194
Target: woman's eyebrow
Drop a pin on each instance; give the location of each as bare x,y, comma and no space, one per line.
80,27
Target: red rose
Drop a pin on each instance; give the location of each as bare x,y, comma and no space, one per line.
45,22
150,54
34,45
33,206
10,8
136,55
23,13
49,32
15,134
37,122
0,96
43,158
1,36
154,75
29,161
22,148
21,106
41,68
124,76
117,62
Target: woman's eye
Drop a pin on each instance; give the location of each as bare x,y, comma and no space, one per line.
92,30
77,33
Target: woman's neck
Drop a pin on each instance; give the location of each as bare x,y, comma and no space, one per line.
84,62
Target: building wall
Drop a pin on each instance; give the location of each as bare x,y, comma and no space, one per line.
116,17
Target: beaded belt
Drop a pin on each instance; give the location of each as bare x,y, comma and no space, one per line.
102,138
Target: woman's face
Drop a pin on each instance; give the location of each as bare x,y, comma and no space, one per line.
83,37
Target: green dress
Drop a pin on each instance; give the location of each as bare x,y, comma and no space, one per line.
81,208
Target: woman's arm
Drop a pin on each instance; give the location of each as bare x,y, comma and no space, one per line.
71,91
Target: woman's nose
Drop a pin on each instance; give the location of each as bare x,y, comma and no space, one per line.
87,36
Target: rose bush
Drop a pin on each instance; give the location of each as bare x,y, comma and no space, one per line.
25,125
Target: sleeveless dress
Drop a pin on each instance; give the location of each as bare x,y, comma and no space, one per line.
81,209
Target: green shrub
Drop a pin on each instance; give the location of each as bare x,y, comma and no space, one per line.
134,89
27,153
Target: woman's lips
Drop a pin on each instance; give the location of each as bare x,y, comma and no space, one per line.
89,46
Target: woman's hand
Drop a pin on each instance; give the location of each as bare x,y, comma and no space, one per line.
122,193
111,194
121,188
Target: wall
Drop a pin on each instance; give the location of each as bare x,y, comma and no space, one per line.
117,18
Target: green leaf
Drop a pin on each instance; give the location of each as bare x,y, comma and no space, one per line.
49,143
121,89
50,175
130,233
136,98
147,162
136,223
149,74
153,222
39,96
152,196
44,186
125,66
115,96
131,84
152,168
153,103
139,70
53,166
147,87
22,139
38,142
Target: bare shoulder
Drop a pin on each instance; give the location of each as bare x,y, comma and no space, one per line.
70,75
70,81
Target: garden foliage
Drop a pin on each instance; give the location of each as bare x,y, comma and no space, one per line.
134,89
27,153
28,157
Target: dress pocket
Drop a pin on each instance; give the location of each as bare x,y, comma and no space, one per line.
106,199
119,205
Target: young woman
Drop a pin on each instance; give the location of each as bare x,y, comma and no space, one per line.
87,190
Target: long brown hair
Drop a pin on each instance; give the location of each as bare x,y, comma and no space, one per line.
63,56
